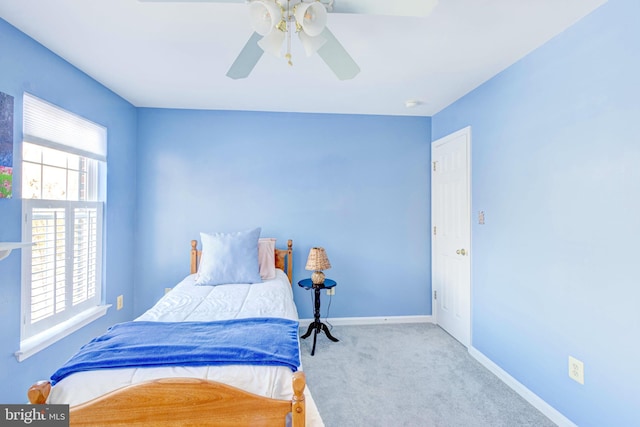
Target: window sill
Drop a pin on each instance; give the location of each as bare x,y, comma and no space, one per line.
39,342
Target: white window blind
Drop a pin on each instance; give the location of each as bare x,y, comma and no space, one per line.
48,272
64,269
62,272
50,126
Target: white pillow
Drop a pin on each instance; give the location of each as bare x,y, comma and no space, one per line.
267,258
229,258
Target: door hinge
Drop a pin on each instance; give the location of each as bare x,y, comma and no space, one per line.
434,230
435,294
434,166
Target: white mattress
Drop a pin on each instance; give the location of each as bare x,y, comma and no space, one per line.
188,302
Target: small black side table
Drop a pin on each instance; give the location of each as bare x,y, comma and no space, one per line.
317,326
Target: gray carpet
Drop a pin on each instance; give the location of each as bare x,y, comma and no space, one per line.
407,375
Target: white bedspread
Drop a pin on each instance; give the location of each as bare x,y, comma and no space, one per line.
188,302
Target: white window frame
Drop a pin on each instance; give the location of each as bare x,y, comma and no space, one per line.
52,127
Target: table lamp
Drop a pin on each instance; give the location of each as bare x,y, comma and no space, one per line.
317,262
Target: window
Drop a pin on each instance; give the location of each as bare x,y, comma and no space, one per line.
57,175
62,157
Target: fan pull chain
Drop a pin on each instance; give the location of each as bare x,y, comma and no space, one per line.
288,55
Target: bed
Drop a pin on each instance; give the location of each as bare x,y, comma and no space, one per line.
226,395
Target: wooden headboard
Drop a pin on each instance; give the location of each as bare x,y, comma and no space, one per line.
284,258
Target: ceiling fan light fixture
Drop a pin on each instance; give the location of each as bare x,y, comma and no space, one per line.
265,16
312,17
282,26
274,23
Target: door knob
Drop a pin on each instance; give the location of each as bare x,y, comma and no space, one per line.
461,252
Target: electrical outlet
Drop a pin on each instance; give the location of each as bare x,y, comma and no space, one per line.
576,370
167,290
331,291
120,302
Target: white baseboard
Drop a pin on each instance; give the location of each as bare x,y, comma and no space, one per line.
346,321
523,391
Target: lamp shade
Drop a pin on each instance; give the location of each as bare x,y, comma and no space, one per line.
312,17
317,260
264,15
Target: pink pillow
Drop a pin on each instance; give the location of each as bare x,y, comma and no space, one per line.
267,258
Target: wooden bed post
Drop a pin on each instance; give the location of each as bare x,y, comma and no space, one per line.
284,260
298,408
290,260
39,392
194,256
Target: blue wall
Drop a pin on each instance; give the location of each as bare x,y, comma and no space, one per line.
356,185
26,66
555,168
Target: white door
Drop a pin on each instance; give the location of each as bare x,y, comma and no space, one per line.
451,233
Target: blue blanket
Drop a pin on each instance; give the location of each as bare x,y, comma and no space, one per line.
255,341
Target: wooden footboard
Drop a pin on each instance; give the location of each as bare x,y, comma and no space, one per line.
184,401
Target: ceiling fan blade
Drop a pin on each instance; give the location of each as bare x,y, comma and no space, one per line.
337,58
418,8
192,1
247,59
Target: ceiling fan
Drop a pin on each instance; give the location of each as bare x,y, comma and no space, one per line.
274,21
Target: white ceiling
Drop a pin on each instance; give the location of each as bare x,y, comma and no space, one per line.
176,55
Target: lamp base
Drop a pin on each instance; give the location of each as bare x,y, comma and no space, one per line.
317,278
